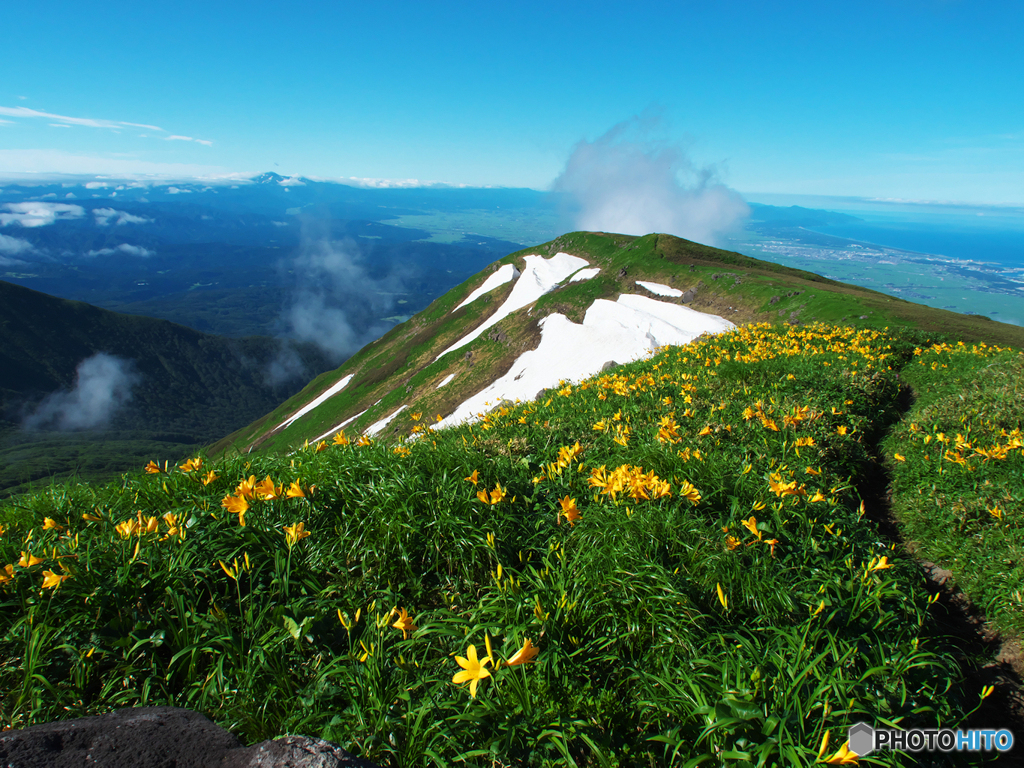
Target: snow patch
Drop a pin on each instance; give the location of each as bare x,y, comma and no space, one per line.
373,429
335,430
447,380
659,289
623,330
585,274
506,274
539,276
320,400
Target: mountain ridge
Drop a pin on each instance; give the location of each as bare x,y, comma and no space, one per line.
401,371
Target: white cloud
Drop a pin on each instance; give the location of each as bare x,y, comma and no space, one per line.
64,119
627,181
10,246
205,142
131,250
104,216
39,214
59,125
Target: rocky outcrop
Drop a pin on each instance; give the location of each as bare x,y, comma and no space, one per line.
159,737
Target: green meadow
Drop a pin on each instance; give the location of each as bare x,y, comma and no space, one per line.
676,563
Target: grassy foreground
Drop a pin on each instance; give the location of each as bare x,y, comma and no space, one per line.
669,564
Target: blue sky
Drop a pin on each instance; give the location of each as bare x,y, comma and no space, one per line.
907,99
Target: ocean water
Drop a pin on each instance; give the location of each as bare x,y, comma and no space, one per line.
999,240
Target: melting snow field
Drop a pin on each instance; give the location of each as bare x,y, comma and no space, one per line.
320,400
622,331
539,276
506,274
585,274
335,430
446,380
373,429
659,289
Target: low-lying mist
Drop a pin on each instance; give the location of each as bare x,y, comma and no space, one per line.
336,302
103,385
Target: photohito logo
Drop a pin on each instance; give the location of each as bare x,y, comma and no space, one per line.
863,739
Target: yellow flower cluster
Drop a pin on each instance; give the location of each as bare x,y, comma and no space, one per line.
633,481
264,490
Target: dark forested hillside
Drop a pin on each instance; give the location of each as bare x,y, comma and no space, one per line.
173,385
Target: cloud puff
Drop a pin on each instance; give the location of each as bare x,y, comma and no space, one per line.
103,385
10,246
105,215
131,250
336,304
38,214
627,181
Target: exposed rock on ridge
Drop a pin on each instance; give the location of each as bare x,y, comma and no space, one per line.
160,737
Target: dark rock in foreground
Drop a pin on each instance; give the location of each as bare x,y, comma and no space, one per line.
159,737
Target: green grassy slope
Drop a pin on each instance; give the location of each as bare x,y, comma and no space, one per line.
687,542
399,369
193,387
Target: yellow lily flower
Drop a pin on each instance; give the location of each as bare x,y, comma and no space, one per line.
209,477
49,522
293,534
844,756
51,580
28,560
498,494
404,623
473,478
6,573
472,670
690,493
295,491
569,510
524,655
245,489
751,525
879,564
236,505
152,468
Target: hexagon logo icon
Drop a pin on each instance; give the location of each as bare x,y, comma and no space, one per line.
861,737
